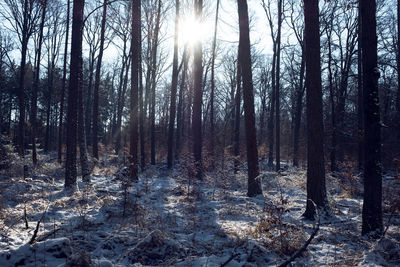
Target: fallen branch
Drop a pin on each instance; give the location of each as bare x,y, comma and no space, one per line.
230,259
33,239
47,235
304,247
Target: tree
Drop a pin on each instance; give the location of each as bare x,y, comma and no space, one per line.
74,83
254,186
134,116
95,144
277,89
372,205
316,190
197,95
64,78
174,86
36,84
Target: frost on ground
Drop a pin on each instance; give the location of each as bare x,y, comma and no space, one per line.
169,219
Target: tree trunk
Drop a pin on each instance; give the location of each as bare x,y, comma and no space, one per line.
299,110
332,102
360,110
236,138
95,144
36,84
254,186
179,115
142,112
272,110
277,90
197,96
316,190
212,112
372,205
64,78
134,118
174,86
75,70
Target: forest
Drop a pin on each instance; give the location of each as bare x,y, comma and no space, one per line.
199,133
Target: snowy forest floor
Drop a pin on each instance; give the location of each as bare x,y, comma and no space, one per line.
168,219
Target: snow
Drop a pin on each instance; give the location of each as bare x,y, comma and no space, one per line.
171,220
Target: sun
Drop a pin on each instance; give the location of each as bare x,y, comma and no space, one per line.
191,30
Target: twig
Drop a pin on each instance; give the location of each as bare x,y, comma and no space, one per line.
230,259
47,235
304,247
33,239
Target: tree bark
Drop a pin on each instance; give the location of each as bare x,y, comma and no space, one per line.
372,205
236,138
316,190
254,186
75,70
277,90
360,110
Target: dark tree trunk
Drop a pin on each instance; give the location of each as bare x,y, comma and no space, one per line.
277,90
179,115
272,111
95,144
64,78
372,205
75,70
254,186
332,103
398,67
36,84
212,111
134,118
174,86
197,97
142,113
316,190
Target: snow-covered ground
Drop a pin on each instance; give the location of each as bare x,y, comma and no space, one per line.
168,219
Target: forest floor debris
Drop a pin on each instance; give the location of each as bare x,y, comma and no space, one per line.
173,220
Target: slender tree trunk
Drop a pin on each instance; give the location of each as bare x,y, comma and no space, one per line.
142,114
299,110
134,119
197,97
153,86
64,78
182,87
174,86
272,110
236,138
75,70
332,102
277,90
254,186
372,205
95,144
212,112
36,84
316,190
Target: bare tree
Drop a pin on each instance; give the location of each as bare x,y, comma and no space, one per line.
254,185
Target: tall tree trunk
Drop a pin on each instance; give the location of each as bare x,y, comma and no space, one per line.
36,84
398,65
236,138
97,85
254,186
75,70
277,90
134,118
299,110
174,86
197,96
153,86
212,112
64,78
372,205
316,190
272,110
179,115
142,113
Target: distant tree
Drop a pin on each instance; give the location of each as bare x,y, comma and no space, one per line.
74,83
277,89
134,116
254,186
316,190
197,95
174,86
372,205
